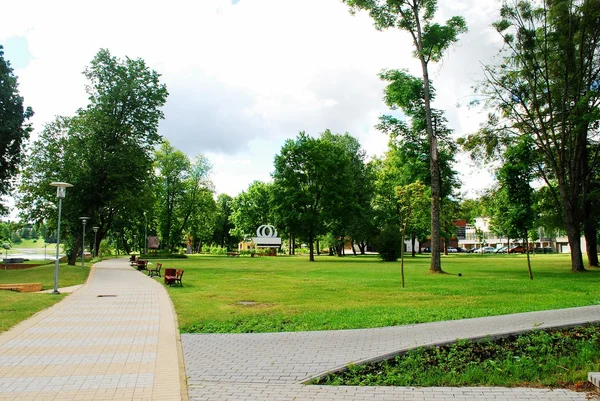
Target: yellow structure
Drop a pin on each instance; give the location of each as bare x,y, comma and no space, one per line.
245,245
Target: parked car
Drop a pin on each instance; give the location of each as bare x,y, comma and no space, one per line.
473,250
517,249
462,250
486,249
451,249
502,249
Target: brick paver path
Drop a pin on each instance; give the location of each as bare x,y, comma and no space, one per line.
120,346
272,366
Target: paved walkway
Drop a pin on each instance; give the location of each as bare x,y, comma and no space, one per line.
113,339
272,366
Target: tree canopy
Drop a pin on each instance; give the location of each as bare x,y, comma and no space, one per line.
14,131
430,40
546,88
105,150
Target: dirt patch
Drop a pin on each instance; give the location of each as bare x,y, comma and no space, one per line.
253,304
22,287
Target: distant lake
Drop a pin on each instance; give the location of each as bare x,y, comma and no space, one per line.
34,256
34,253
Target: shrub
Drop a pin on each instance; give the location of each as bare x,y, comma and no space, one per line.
104,249
389,244
217,250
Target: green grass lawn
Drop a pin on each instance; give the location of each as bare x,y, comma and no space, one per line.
31,243
552,358
37,245
16,306
271,294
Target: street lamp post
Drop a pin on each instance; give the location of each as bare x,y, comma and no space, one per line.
134,242
61,191
145,235
83,220
95,229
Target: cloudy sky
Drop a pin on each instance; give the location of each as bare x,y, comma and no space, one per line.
245,75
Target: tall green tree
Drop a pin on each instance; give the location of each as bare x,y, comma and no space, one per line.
311,189
251,209
546,87
172,165
302,170
202,223
407,158
349,197
499,211
223,226
183,187
105,150
515,177
412,199
430,41
471,208
362,228
14,131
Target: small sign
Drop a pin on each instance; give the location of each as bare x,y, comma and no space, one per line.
152,242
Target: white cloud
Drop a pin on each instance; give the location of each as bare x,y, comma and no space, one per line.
242,78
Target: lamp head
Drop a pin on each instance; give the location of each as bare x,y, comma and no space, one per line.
61,188
84,220
95,229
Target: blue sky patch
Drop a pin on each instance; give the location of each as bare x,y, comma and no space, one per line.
234,2
16,50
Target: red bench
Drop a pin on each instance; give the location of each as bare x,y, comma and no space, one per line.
155,271
173,277
142,264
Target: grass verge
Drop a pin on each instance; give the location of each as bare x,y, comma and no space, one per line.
554,358
16,307
274,294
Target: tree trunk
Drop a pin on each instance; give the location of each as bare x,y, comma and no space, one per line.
76,248
574,237
361,246
126,247
436,260
311,248
293,244
528,259
402,257
413,241
352,244
570,200
591,241
340,247
318,248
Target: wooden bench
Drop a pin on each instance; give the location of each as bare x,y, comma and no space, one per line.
142,264
171,279
233,254
155,271
132,260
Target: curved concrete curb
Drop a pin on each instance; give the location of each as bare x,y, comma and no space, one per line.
594,378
